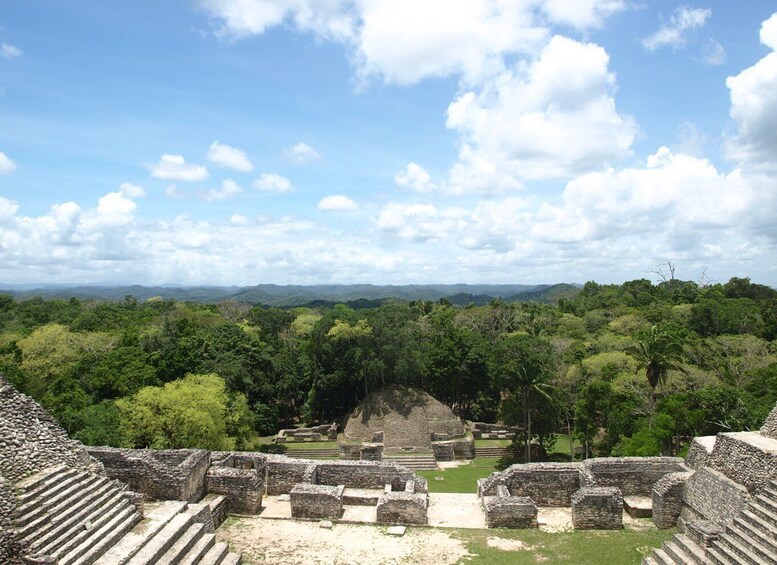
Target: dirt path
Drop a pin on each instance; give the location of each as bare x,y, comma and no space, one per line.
289,542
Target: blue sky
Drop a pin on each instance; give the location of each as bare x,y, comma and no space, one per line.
253,141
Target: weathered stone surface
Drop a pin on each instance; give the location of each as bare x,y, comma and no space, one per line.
710,495
316,433
405,508
597,508
316,501
371,452
163,474
748,458
505,511
769,429
634,476
443,450
243,488
547,484
699,451
668,499
398,531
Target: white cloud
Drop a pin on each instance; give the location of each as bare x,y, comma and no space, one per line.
172,191
6,164
229,157
10,52
270,182
229,188
132,190
674,33
302,153
405,41
175,167
239,220
754,104
416,178
553,118
714,54
337,203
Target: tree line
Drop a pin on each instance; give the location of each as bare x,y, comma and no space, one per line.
631,369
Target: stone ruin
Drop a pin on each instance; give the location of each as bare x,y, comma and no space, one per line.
326,432
405,425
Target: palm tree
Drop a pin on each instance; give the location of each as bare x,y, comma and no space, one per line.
531,384
657,353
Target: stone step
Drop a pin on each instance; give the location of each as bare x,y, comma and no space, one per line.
64,512
76,530
102,539
198,551
134,540
662,557
733,547
691,548
648,560
216,554
61,502
40,481
153,550
752,543
181,547
762,508
719,557
30,505
763,531
677,552
232,559
770,493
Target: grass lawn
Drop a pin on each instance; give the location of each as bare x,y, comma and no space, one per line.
580,547
302,445
460,479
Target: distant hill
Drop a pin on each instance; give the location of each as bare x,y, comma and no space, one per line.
314,295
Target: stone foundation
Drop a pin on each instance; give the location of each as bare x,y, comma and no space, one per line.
597,508
547,484
316,501
505,511
769,429
169,474
748,458
668,499
371,452
403,508
326,432
711,496
242,488
634,476
699,451
443,450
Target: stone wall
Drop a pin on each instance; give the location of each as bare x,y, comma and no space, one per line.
316,501
443,450
283,473
326,432
175,474
597,508
367,474
505,511
243,488
547,484
710,495
748,458
769,429
405,508
634,476
699,451
31,440
667,499
9,543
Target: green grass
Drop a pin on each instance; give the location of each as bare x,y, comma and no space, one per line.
622,547
460,479
302,445
493,442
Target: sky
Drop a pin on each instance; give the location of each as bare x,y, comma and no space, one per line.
239,142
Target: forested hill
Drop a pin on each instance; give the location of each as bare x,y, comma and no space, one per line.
298,295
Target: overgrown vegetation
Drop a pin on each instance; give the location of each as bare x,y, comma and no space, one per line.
168,374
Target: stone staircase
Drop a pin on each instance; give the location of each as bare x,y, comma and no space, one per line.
312,453
416,462
751,539
495,451
72,516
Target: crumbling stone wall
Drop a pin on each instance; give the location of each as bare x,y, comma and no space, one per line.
747,458
173,474
597,508
406,508
505,511
547,484
667,497
634,476
10,549
769,429
326,432
367,474
699,451
316,501
710,495
31,440
243,488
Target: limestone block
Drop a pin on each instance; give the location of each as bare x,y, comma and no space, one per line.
505,511
316,501
769,428
597,508
667,498
405,508
443,450
242,488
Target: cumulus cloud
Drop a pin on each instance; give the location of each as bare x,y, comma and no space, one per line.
6,164
10,52
405,41
175,168
714,54
337,203
753,95
230,157
229,188
674,33
553,118
416,178
302,153
271,182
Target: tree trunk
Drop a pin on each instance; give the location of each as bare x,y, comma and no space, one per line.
527,424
